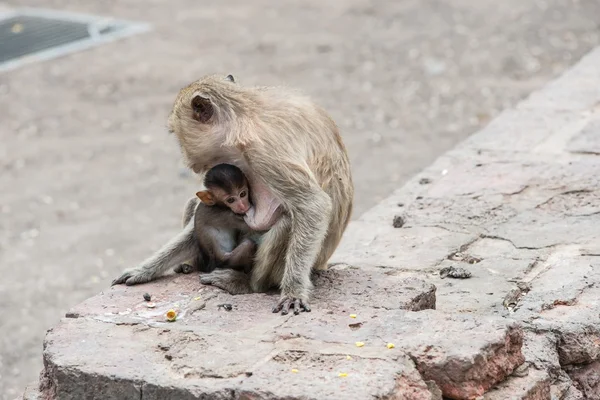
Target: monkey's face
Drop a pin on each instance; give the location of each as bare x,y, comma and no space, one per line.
237,200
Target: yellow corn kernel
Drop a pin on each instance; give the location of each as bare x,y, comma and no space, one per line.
295,370
342,374
360,344
352,315
390,345
171,315
348,358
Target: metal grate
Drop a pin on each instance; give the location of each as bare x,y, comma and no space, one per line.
32,35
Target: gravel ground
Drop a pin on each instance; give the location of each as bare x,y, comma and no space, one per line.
91,183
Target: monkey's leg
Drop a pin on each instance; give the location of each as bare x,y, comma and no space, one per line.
232,281
242,256
269,261
338,224
189,210
178,250
309,228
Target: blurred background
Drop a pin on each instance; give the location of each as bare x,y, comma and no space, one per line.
91,182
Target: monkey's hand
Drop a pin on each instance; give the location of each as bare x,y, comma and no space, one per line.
134,276
287,303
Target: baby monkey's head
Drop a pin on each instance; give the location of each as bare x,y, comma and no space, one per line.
226,186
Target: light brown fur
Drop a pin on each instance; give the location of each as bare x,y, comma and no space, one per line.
298,169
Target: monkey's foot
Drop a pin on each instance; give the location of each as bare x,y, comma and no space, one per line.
234,282
184,269
288,303
133,277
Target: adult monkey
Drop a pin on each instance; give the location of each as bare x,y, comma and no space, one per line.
298,170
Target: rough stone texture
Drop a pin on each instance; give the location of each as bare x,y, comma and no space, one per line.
535,385
514,205
212,352
518,206
91,183
32,392
587,379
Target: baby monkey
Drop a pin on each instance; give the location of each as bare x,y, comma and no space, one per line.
223,237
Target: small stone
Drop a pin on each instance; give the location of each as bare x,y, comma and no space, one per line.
147,297
398,221
456,273
424,181
16,28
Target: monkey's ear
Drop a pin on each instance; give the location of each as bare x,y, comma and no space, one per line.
202,108
230,78
206,197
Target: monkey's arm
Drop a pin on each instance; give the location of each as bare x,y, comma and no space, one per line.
310,221
309,209
179,249
242,256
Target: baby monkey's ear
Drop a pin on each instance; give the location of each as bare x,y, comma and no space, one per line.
230,78
206,197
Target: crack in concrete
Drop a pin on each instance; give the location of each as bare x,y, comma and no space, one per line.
586,152
443,228
524,188
568,192
569,302
485,236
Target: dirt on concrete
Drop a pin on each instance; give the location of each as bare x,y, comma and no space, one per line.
91,183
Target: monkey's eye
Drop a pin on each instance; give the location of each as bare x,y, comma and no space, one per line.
230,200
243,194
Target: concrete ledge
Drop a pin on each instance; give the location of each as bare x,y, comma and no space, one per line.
517,206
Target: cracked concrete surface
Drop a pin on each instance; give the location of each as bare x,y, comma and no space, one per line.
86,164
523,220
525,325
